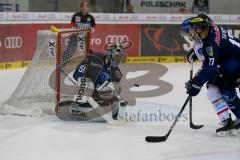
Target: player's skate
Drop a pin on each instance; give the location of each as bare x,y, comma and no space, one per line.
237,126
227,128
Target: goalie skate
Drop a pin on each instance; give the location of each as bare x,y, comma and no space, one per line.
237,126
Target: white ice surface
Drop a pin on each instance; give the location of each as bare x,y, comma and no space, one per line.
48,138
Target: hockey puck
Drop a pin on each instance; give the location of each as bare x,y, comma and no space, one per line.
136,85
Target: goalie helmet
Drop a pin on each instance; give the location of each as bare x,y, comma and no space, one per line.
115,54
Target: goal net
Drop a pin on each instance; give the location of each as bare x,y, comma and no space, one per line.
42,85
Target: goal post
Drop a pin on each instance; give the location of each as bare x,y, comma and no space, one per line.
43,85
68,58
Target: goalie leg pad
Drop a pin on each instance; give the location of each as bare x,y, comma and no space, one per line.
69,111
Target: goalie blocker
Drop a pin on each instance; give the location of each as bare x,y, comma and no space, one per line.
93,100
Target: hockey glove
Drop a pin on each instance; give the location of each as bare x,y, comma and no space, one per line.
191,56
192,88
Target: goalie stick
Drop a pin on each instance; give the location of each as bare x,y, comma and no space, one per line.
191,124
165,137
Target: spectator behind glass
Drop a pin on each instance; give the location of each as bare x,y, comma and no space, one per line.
129,7
83,16
200,7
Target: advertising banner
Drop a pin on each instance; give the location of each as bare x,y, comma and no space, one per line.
18,41
116,33
184,6
161,6
165,39
123,18
161,40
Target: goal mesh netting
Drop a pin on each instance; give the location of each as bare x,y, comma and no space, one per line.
41,86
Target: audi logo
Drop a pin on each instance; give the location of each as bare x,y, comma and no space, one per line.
13,42
116,38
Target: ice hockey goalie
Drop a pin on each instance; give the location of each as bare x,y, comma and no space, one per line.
97,79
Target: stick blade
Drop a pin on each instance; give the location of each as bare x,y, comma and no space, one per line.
193,126
154,139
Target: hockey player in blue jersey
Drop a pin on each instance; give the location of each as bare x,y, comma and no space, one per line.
102,70
220,54
111,59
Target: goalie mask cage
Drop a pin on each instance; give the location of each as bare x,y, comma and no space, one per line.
44,84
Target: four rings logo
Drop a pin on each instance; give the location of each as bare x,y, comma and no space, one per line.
116,39
13,42
121,39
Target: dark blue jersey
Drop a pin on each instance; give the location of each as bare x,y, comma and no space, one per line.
95,68
222,54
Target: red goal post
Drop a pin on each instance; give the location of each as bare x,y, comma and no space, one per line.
82,50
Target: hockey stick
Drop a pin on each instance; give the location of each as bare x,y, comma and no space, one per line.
165,137
191,124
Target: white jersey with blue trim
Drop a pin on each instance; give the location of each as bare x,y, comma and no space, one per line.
198,49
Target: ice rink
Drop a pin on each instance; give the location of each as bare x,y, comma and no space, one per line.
48,138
